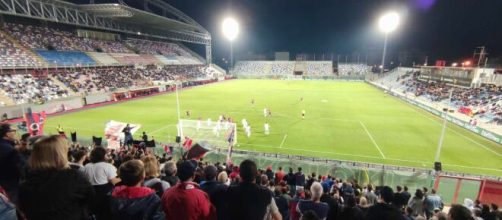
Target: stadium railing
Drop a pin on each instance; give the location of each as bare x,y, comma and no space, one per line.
453,187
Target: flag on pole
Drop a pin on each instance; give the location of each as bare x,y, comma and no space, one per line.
113,132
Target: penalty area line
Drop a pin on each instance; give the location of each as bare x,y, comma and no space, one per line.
372,140
283,139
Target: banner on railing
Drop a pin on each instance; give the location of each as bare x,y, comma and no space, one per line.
114,134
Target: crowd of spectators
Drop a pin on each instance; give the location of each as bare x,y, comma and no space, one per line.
250,67
36,37
92,80
47,178
484,102
24,88
156,47
353,69
319,68
11,55
282,68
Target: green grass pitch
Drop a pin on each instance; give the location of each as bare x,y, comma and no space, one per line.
344,120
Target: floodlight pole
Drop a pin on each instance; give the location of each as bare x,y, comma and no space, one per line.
441,138
180,130
231,55
384,52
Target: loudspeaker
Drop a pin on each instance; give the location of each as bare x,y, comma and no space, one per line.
178,139
437,166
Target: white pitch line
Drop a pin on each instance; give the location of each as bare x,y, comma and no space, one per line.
456,132
372,140
284,139
373,157
161,128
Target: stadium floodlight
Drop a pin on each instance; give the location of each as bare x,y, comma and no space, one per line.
230,29
454,64
387,23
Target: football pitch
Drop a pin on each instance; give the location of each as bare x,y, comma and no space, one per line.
344,120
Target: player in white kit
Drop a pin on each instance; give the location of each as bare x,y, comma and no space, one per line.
267,128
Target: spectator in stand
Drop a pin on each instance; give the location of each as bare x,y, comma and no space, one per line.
131,200
270,174
282,201
370,195
315,204
170,173
383,209
186,200
10,161
459,212
363,205
7,209
417,204
247,200
52,189
279,175
299,179
78,160
103,176
399,198
223,178
432,202
152,174
214,189
290,179
333,205
351,211
406,194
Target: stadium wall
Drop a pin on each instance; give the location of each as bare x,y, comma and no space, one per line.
475,129
50,107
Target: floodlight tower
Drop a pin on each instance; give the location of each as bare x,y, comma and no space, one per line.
387,23
230,29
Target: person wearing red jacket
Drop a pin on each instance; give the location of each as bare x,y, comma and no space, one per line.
186,200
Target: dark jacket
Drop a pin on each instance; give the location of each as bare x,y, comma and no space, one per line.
216,192
135,203
383,211
55,194
247,201
10,162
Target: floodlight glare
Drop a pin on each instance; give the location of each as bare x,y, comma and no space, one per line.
230,28
388,22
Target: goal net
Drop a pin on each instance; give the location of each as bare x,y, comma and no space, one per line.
218,134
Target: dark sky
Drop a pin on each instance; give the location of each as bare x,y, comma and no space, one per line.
447,29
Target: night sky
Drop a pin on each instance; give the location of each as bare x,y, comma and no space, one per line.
441,29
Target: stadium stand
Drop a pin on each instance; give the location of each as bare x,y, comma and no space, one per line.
66,58
353,69
23,88
476,104
12,54
319,68
103,59
44,38
135,59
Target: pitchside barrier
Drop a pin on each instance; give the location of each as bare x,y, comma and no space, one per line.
301,77
452,187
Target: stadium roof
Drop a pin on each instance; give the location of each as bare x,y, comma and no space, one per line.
171,23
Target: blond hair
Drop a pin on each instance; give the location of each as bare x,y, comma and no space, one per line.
152,169
50,153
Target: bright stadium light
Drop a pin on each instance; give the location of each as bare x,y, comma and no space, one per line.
454,64
230,29
387,23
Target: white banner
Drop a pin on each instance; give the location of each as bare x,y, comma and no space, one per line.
114,134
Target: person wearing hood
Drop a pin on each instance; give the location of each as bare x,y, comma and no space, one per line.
131,200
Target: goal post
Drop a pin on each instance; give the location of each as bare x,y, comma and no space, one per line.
218,134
